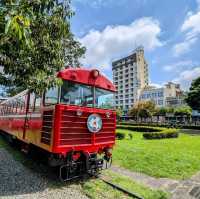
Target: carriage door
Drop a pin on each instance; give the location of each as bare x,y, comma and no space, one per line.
50,100
33,122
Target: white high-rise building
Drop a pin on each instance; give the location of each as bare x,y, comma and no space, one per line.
130,74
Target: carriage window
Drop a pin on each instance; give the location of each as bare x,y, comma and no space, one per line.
77,94
37,103
51,96
22,103
31,102
104,99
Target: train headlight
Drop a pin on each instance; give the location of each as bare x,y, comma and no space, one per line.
108,114
79,113
95,73
94,123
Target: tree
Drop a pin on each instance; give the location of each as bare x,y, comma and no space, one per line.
160,111
193,96
36,42
119,113
143,109
183,111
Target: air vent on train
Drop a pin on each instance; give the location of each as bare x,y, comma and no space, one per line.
47,125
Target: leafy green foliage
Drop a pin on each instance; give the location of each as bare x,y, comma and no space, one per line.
143,109
36,43
183,111
140,128
124,124
167,133
161,111
193,96
120,136
119,112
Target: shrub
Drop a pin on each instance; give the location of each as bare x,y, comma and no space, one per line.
167,133
149,124
120,135
197,127
140,128
130,136
191,127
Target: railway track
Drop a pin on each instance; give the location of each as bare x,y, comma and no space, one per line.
131,194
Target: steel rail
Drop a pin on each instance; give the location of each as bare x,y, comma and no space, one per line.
131,194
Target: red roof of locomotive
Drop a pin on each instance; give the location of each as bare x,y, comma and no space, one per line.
86,76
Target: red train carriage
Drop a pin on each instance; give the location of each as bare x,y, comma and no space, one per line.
73,123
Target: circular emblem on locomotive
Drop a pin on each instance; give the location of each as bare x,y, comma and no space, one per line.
94,123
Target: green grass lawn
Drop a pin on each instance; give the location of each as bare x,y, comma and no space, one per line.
177,158
97,189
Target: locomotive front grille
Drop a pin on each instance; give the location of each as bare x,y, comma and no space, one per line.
47,127
74,131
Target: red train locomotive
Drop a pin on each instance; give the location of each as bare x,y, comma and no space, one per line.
73,123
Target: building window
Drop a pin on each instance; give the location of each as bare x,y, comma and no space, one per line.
160,94
160,102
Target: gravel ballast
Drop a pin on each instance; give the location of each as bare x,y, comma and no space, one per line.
20,182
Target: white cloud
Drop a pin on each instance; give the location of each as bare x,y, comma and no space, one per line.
116,41
185,78
191,28
176,67
156,85
183,47
192,25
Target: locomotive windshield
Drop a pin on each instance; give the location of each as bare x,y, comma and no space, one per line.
104,99
84,95
76,94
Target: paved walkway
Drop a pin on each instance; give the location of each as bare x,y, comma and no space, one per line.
185,189
190,131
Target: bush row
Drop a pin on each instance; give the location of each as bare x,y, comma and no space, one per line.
142,124
167,133
190,127
160,125
148,132
140,128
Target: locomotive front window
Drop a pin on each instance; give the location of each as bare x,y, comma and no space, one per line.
104,99
76,94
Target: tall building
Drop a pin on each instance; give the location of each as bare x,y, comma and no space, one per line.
129,75
170,95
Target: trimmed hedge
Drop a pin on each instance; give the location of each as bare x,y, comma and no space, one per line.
142,124
139,128
160,125
167,133
148,132
120,135
191,127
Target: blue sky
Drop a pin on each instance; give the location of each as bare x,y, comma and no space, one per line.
169,30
